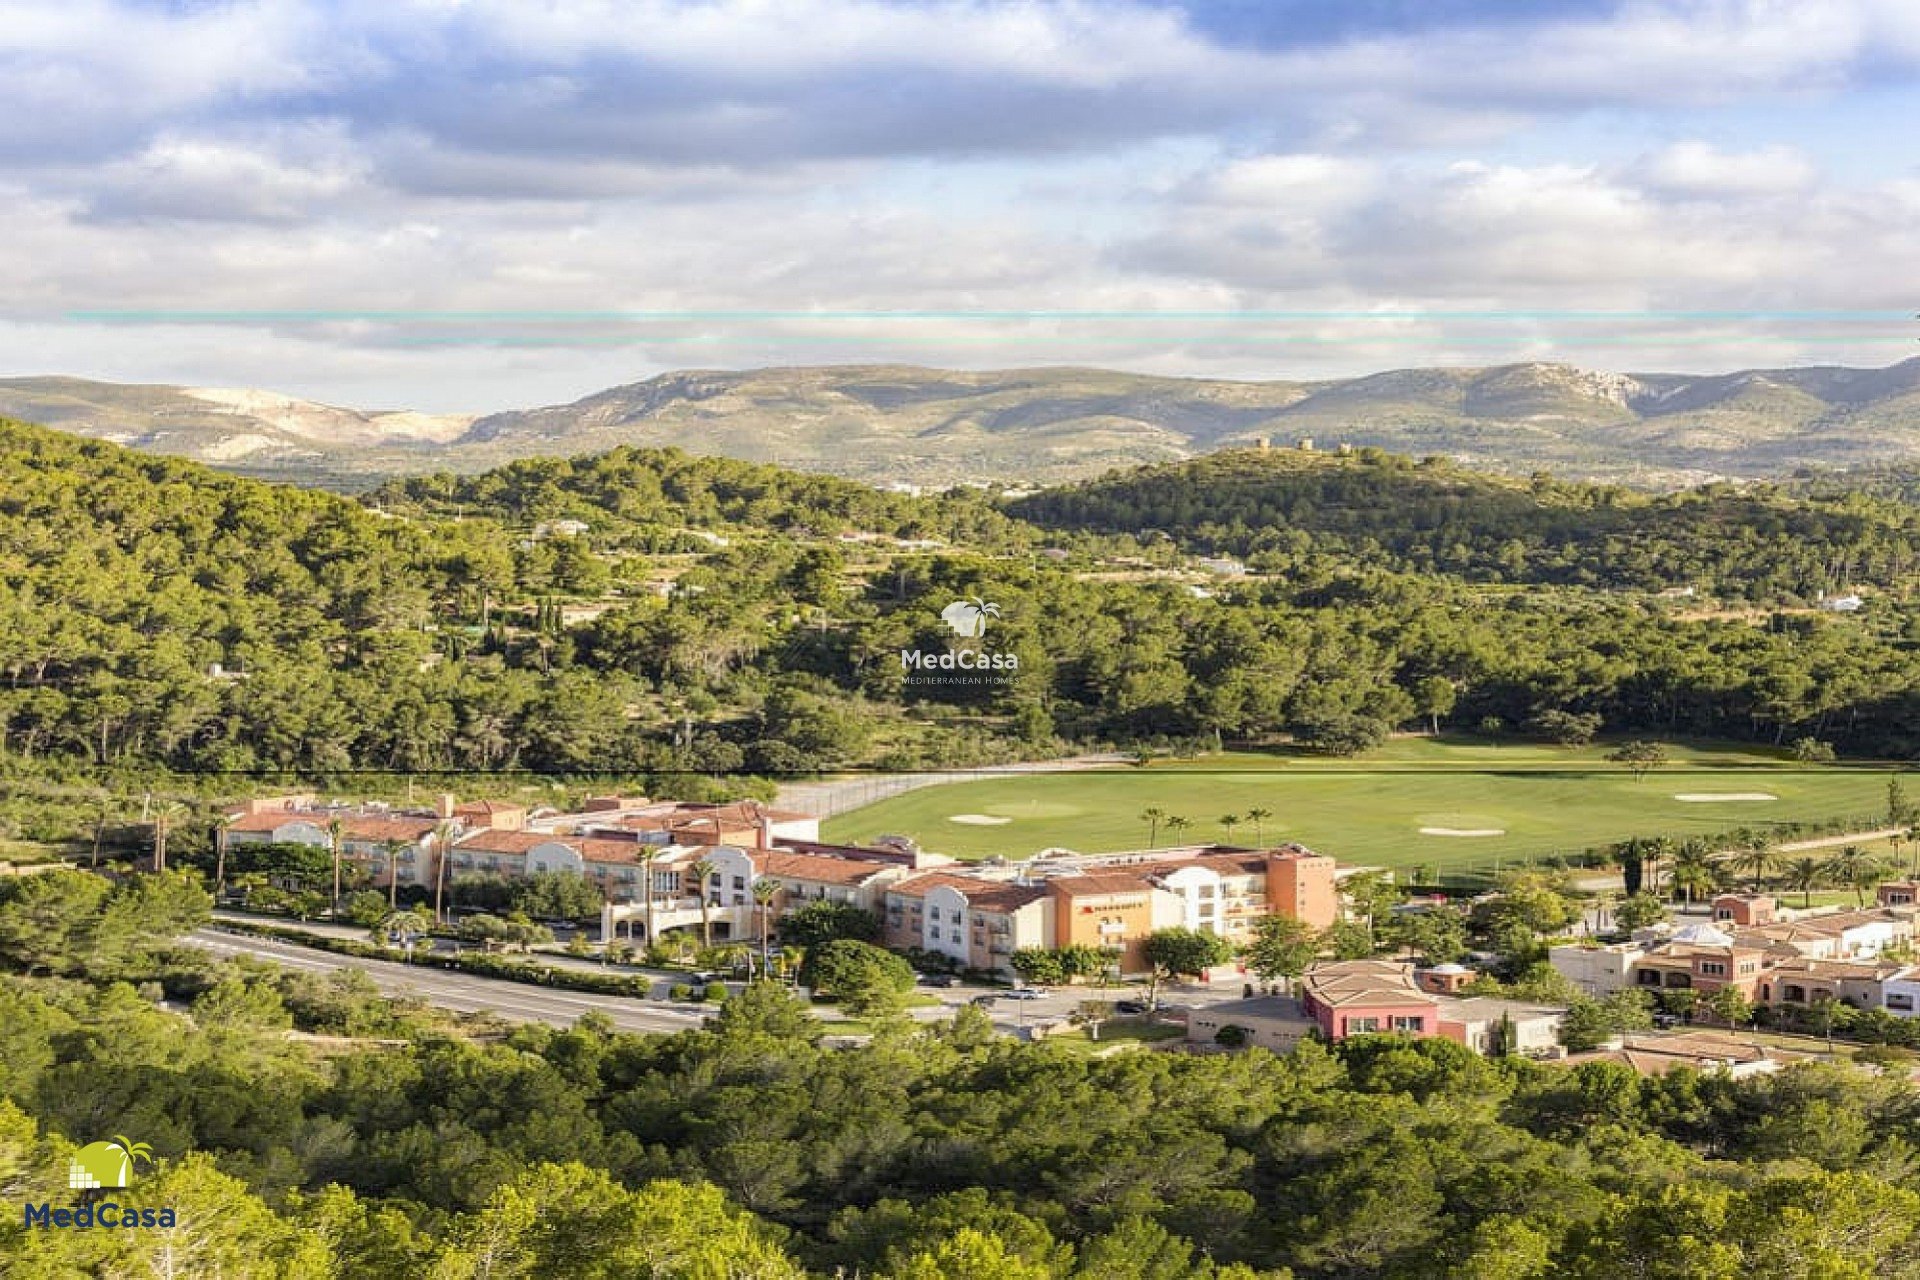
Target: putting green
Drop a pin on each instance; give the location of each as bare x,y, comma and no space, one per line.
1545,801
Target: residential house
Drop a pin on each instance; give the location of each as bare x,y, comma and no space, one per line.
1840,935
1745,910
1900,992
1491,1026
1702,958
1804,980
1898,893
1597,969
1360,997
1655,1055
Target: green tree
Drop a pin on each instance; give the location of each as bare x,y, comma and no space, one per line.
1730,1005
867,981
1177,950
1639,911
1281,949
1639,757
814,923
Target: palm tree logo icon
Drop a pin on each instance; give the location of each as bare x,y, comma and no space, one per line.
968,617
106,1164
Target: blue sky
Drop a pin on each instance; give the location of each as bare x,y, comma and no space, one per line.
245,194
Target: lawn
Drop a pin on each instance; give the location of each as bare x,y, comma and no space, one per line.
1115,1035
1394,807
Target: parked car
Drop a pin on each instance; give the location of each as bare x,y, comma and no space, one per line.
1025,993
988,998
706,976
1130,1006
939,980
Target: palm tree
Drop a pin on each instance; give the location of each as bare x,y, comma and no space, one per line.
1176,824
1854,868
702,872
647,854
1257,816
1692,870
1228,821
1804,874
443,851
1153,816
1756,856
765,890
392,849
336,829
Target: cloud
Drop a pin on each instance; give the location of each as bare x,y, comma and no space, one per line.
1694,168
940,157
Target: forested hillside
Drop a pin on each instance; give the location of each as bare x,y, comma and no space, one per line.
1756,543
649,498
153,612
399,1146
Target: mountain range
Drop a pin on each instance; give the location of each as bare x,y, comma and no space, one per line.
895,423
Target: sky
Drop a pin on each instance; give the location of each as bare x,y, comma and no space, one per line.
468,205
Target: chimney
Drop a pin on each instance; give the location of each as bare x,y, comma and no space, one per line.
765,824
444,807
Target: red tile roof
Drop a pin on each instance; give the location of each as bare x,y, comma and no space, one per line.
1101,884
994,896
807,866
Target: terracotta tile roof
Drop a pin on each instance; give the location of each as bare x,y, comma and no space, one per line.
1101,884
489,807
807,866
1341,983
520,843
994,896
409,830
506,841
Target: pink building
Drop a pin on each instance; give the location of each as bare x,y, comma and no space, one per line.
1362,997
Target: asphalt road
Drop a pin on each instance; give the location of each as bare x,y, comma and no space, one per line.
520,1002
460,992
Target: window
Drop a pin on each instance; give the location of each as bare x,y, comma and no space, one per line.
1900,1000
1414,1023
739,882
1713,968
1361,1026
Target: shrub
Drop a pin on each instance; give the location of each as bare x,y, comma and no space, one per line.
715,992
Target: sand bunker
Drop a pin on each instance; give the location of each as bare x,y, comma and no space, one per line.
1462,831
978,819
1710,797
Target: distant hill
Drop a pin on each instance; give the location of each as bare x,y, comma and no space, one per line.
1758,541
928,426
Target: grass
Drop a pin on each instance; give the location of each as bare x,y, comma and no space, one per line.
1546,801
1115,1036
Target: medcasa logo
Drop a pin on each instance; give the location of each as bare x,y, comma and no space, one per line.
970,659
98,1167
